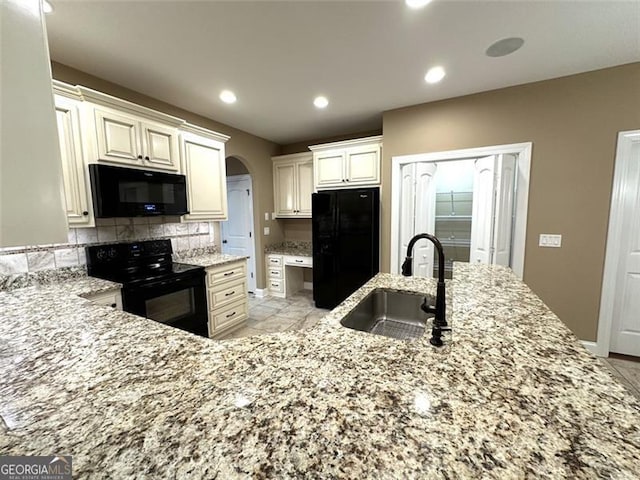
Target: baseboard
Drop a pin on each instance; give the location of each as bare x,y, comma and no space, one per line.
592,347
308,285
260,292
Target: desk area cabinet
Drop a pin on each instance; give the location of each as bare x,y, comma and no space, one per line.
285,274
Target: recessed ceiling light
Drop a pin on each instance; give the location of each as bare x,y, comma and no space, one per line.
415,4
320,102
46,7
227,96
504,47
434,75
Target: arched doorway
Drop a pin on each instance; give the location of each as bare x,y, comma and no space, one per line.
238,232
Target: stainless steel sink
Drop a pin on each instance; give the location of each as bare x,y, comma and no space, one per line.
390,313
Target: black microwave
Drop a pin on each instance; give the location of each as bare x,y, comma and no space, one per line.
129,192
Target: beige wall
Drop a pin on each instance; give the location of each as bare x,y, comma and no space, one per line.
304,146
573,123
254,152
235,167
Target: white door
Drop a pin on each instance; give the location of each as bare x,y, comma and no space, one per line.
483,210
505,199
425,218
493,204
625,333
417,215
407,209
237,231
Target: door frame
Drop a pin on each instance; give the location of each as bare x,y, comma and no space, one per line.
623,161
251,282
523,153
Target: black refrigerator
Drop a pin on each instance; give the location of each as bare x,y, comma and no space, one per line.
346,242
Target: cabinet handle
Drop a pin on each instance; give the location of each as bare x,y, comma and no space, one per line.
228,294
274,284
139,157
299,261
85,213
231,314
229,273
146,158
273,261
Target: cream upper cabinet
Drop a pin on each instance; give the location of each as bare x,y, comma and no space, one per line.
352,163
134,141
293,185
203,163
76,185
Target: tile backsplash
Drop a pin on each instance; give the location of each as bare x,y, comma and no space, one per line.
35,258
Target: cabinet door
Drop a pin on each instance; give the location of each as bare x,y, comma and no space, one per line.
117,137
76,189
203,164
305,189
160,146
284,189
329,169
363,165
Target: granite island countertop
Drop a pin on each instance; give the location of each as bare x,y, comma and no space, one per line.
512,394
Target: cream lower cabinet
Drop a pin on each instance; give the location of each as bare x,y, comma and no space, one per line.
352,163
293,185
203,163
77,189
227,297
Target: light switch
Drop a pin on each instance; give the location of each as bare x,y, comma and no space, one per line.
267,231
550,240
273,215
266,215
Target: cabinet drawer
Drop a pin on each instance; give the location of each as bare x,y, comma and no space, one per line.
274,273
276,286
226,273
298,261
225,317
107,299
274,261
227,293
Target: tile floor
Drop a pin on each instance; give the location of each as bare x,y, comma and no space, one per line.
626,370
270,315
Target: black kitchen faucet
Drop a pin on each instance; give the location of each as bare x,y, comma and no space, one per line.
440,310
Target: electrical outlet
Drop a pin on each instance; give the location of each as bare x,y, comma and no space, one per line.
267,231
550,240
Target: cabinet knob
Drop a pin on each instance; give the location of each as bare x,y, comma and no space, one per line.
85,213
347,180
146,158
139,157
113,305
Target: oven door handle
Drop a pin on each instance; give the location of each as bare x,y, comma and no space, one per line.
190,281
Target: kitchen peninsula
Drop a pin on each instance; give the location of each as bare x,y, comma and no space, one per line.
512,394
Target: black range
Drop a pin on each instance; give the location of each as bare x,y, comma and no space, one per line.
154,286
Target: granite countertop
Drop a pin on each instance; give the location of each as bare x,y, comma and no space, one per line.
209,259
512,394
303,249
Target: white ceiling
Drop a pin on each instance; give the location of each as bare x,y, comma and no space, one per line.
366,57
